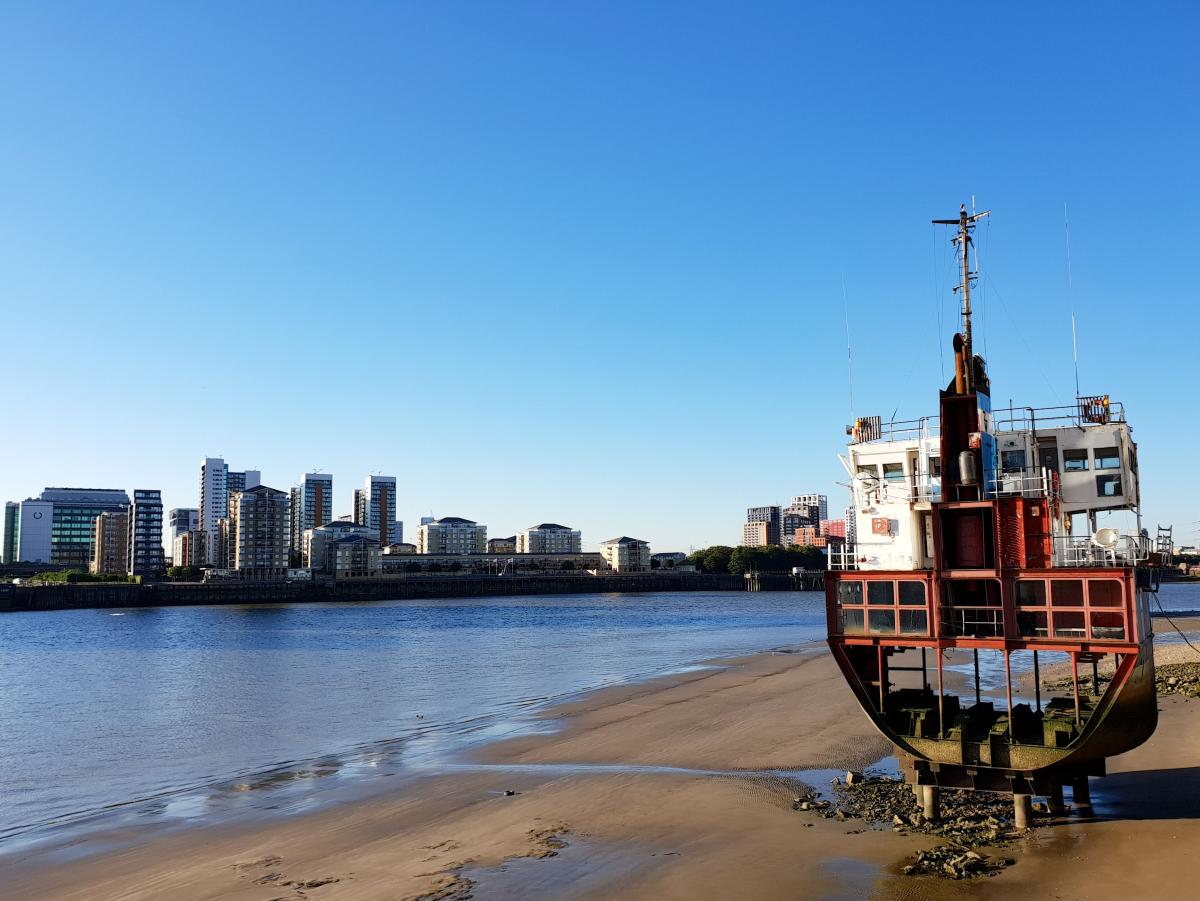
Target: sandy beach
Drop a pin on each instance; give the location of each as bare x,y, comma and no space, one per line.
663,789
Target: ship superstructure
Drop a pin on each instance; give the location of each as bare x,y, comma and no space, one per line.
977,532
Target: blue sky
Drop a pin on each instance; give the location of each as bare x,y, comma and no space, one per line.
577,262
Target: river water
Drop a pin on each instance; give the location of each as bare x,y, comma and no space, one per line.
145,710
167,715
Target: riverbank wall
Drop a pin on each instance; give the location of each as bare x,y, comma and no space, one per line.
175,594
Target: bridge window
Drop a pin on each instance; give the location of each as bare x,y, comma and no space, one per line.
887,607
850,592
1078,609
1108,486
1108,458
1066,593
881,593
893,472
1075,460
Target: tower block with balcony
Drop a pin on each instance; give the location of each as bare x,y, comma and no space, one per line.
966,554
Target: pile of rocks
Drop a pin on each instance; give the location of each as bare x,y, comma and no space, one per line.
1178,679
954,862
969,820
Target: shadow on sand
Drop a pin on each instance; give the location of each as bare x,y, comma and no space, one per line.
1168,794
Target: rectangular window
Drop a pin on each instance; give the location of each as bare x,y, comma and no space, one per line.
881,593
912,594
913,622
1031,593
935,467
893,472
1069,624
850,593
1108,626
1108,458
1104,593
1075,460
882,622
852,622
1032,624
1108,486
1012,461
1066,593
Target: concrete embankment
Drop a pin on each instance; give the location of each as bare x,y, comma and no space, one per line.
174,594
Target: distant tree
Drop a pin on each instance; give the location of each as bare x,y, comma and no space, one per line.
435,567
568,565
455,566
412,567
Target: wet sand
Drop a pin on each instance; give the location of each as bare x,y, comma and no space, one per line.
665,789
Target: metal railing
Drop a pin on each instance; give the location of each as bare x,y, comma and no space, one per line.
1129,549
1022,483
1084,412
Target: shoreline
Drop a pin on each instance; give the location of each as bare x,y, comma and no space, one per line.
679,785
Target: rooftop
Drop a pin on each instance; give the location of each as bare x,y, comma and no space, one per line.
454,520
548,526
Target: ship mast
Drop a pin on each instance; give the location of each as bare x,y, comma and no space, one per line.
966,225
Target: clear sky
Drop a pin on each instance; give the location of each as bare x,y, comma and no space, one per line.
578,262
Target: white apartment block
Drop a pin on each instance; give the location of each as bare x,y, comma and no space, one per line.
549,538
626,554
451,535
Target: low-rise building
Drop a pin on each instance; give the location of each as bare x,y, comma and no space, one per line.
316,542
400,547
354,557
667,559
549,538
452,535
626,554
493,564
502,545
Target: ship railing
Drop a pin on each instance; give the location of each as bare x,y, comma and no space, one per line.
1021,484
842,556
1129,549
872,430
920,488
1098,410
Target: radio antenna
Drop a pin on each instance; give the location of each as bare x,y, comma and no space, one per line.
849,356
1071,299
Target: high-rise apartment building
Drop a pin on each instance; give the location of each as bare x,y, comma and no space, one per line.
145,534
58,527
12,521
452,535
820,501
769,515
312,506
110,544
375,506
626,554
217,482
796,516
549,538
851,525
258,536
182,519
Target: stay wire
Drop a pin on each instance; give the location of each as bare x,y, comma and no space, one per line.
1172,622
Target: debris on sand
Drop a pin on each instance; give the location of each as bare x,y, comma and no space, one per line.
1178,679
969,820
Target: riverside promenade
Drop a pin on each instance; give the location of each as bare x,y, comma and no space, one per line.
106,595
